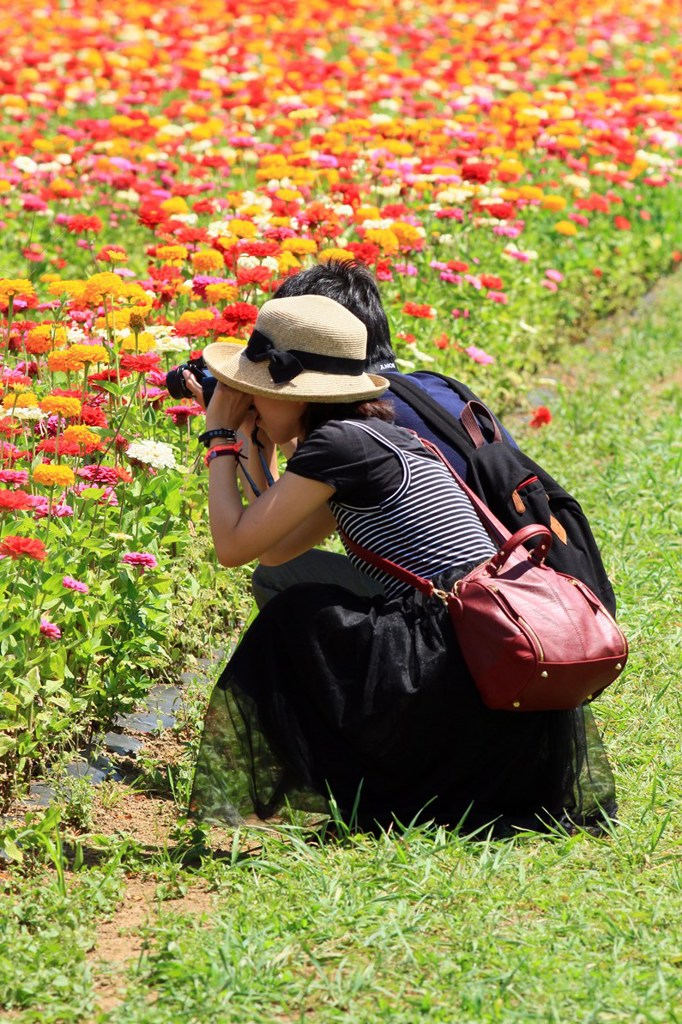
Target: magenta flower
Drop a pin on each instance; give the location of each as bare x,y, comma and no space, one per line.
554,275
49,629
479,355
71,584
140,558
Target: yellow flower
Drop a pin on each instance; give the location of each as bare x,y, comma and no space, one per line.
146,342
99,286
172,254
243,228
342,255
407,234
80,434
286,262
299,246
566,227
367,213
531,192
221,292
78,356
384,238
46,474
15,286
174,205
61,405
71,289
26,400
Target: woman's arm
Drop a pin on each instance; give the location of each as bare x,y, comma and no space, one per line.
314,530
287,519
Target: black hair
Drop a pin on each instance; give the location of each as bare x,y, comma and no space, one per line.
352,285
318,413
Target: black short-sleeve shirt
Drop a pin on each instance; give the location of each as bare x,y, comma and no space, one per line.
362,471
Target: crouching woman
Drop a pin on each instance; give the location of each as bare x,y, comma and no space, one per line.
365,700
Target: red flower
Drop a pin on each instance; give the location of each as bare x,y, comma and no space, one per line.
477,171
140,364
541,416
253,275
621,223
58,445
420,310
241,313
17,501
23,547
503,211
364,252
491,281
79,223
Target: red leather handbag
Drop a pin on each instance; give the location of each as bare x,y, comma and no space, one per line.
532,638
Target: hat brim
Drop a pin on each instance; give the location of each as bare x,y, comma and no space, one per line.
228,364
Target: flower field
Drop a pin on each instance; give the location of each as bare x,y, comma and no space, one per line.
511,172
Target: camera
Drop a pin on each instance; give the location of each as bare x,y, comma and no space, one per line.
177,386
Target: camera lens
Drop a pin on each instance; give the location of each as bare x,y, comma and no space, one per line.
176,384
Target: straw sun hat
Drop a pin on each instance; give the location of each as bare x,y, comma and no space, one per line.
305,348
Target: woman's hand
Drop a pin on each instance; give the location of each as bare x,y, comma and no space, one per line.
227,408
194,386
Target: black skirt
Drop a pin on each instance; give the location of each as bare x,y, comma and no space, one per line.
369,702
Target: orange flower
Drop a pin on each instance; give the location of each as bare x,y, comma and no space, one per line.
554,203
207,261
80,434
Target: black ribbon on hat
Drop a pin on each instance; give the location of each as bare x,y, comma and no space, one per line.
284,366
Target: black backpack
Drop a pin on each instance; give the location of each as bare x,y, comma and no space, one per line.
514,487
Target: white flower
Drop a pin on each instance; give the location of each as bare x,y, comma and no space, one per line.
28,413
25,164
152,453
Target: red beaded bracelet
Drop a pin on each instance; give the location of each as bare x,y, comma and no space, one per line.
222,449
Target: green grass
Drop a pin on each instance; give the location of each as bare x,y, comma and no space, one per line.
426,926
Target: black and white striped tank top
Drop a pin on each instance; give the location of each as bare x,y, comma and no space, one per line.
428,525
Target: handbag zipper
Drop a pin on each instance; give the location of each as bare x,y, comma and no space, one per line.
607,613
534,637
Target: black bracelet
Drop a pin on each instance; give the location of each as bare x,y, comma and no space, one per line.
210,435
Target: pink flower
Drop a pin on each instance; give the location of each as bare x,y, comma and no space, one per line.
479,356
14,476
550,285
500,297
71,584
141,559
554,275
49,629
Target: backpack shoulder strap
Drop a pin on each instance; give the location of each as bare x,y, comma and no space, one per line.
464,434
432,412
